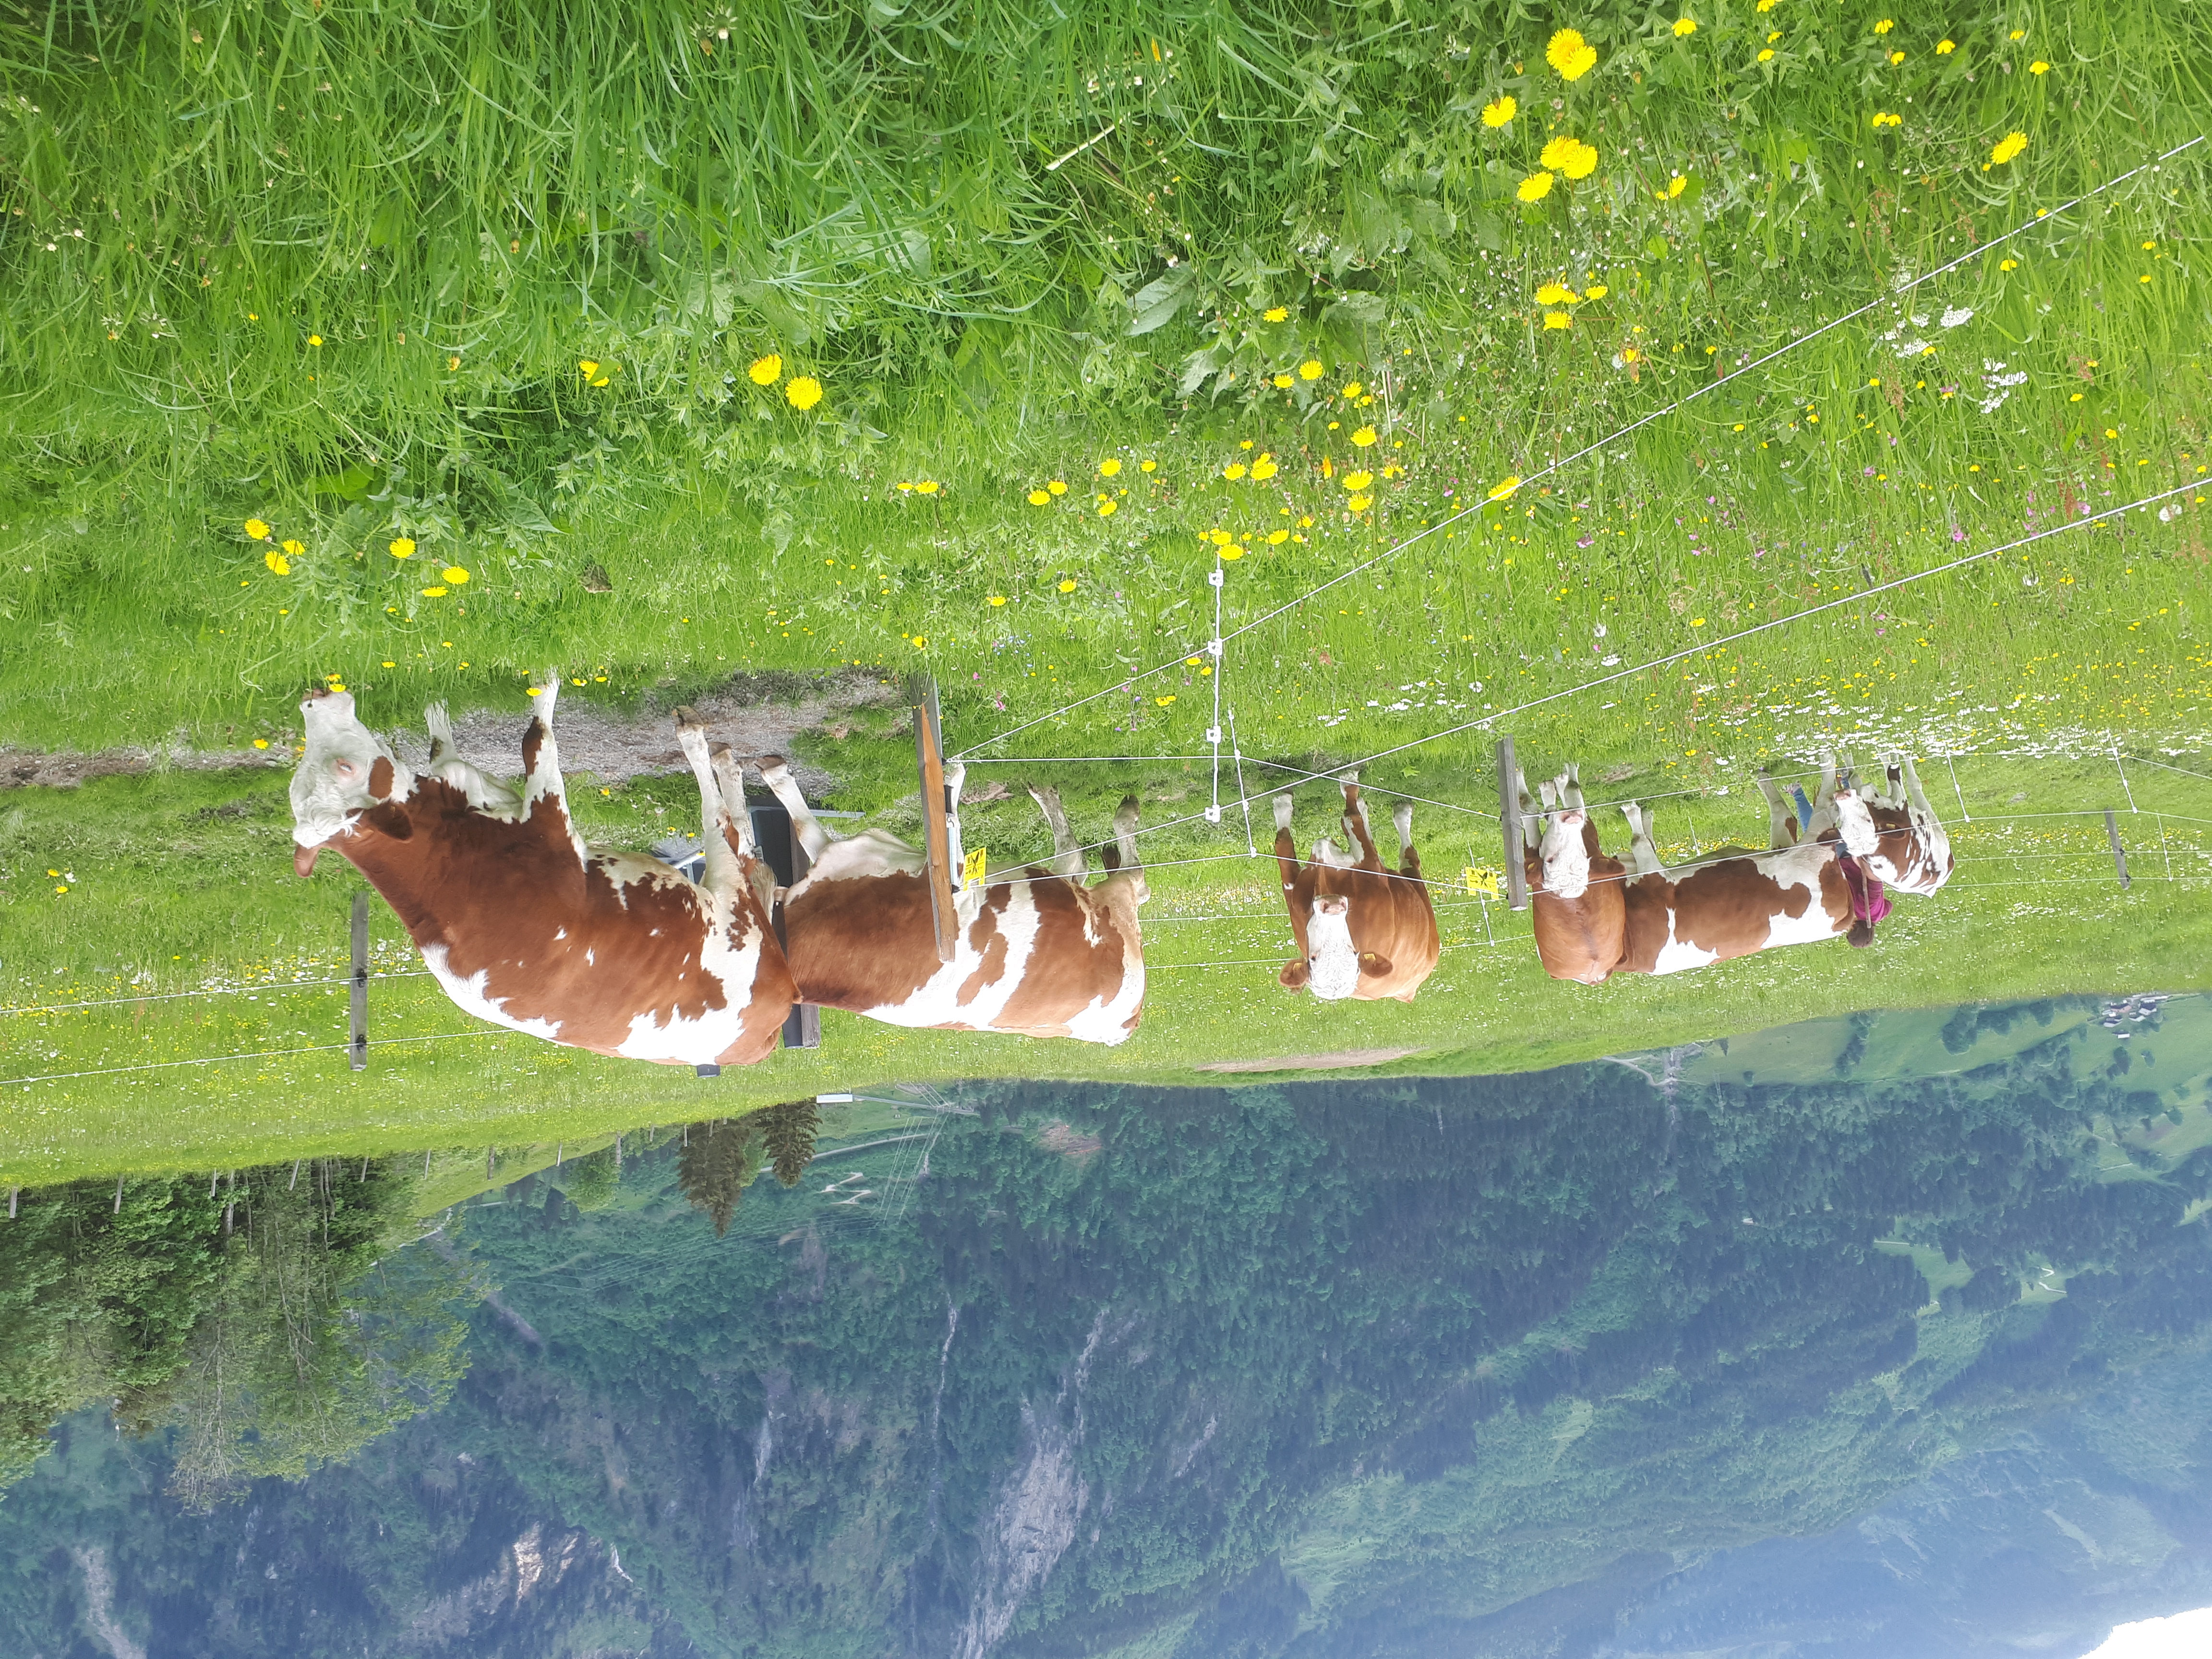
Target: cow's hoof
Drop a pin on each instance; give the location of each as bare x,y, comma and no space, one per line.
771,763
687,719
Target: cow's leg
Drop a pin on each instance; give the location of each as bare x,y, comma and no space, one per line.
730,776
1401,820
1120,855
1286,849
956,778
1915,796
1782,818
541,757
720,845
1355,827
804,824
1067,857
446,763
1642,855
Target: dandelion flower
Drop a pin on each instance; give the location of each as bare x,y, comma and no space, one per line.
1685,27
1896,58
2007,264
804,391
1352,388
453,574
1311,369
2017,34
1499,110
1536,187
1058,487
1109,467
1233,471
433,592
1554,294
1885,119
1885,26
1107,507
257,528
926,487
1557,152
261,743
1945,48
277,563
2006,146
315,339
1364,436
1164,702
586,367
1276,537
1066,587
1571,55
765,371
1676,185
1766,54
293,547
598,379
1040,498
1264,468
1277,314
1506,488
1282,382
1231,553
1356,482
1360,503
403,548
1147,467
1582,161
998,598
1595,291
1697,622
2038,67
1559,320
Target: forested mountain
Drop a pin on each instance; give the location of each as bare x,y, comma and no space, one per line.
1413,1367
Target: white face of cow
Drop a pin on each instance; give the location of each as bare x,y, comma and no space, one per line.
1855,825
1565,855
345,770
1331,960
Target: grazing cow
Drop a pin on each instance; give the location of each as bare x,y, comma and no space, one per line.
1361,930
1575,897
1912,852
524,925
1736,901
1039,953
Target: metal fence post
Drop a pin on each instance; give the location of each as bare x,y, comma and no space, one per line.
2119,853
1509,821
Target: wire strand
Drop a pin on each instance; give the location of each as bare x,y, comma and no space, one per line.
214,1060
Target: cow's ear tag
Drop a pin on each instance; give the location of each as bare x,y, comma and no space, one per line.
1370,962
973,866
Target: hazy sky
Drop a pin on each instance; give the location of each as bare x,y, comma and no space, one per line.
2185,1636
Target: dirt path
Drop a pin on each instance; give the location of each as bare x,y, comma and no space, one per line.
754,713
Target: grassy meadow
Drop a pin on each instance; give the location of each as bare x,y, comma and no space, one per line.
415,348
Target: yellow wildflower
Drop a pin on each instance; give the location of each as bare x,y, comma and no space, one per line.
403,548
257,528
1164,702
1360,503
1282,383
1499,110
1276,537
433,592
315,339
1066,587
1506,488
1536,187
1264,468
1109,467
586,367
1058,487
1356,482
1311,369
1352,388
453,574
1557,152
1364,436
293,547
765,371
1885,26
1583,162
1885,119
1233,471
2007,264
1231,553
1596,291
926,487
277,563
1945,48
804,391
2006,146
1684,26
1676,185
1107,507
998,598
1554,294
1040,497
598,379
261,743
1896,58
1559,320
1571,55
1766,54
1277,314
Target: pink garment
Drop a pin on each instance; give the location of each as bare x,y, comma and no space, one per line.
1869,904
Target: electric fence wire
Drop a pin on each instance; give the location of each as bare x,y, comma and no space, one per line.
1514,485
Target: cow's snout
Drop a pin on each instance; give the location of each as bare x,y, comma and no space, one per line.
1330,905
303,860
1574,818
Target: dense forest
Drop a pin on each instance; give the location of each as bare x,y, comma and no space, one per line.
1317,1370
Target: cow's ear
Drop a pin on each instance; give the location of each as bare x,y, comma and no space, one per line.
1294,975
389,821
1370,962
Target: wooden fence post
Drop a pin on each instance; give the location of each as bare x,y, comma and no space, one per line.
357,993
2119,853
1509,820
937,834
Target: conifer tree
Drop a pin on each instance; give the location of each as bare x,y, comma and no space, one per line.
789,1131
718,1161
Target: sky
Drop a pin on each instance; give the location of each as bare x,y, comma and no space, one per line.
2185,1636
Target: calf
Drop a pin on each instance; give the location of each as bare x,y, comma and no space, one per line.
1362,931
1039,952
1576,899
525,926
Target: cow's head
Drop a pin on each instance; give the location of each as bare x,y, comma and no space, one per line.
1855,825
1564,853
1912,854
1332,965
345,772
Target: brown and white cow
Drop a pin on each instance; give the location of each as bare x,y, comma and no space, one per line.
525,926
1039,952
1362,931
1576,900
1911,853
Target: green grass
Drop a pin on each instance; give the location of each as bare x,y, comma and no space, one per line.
463,204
